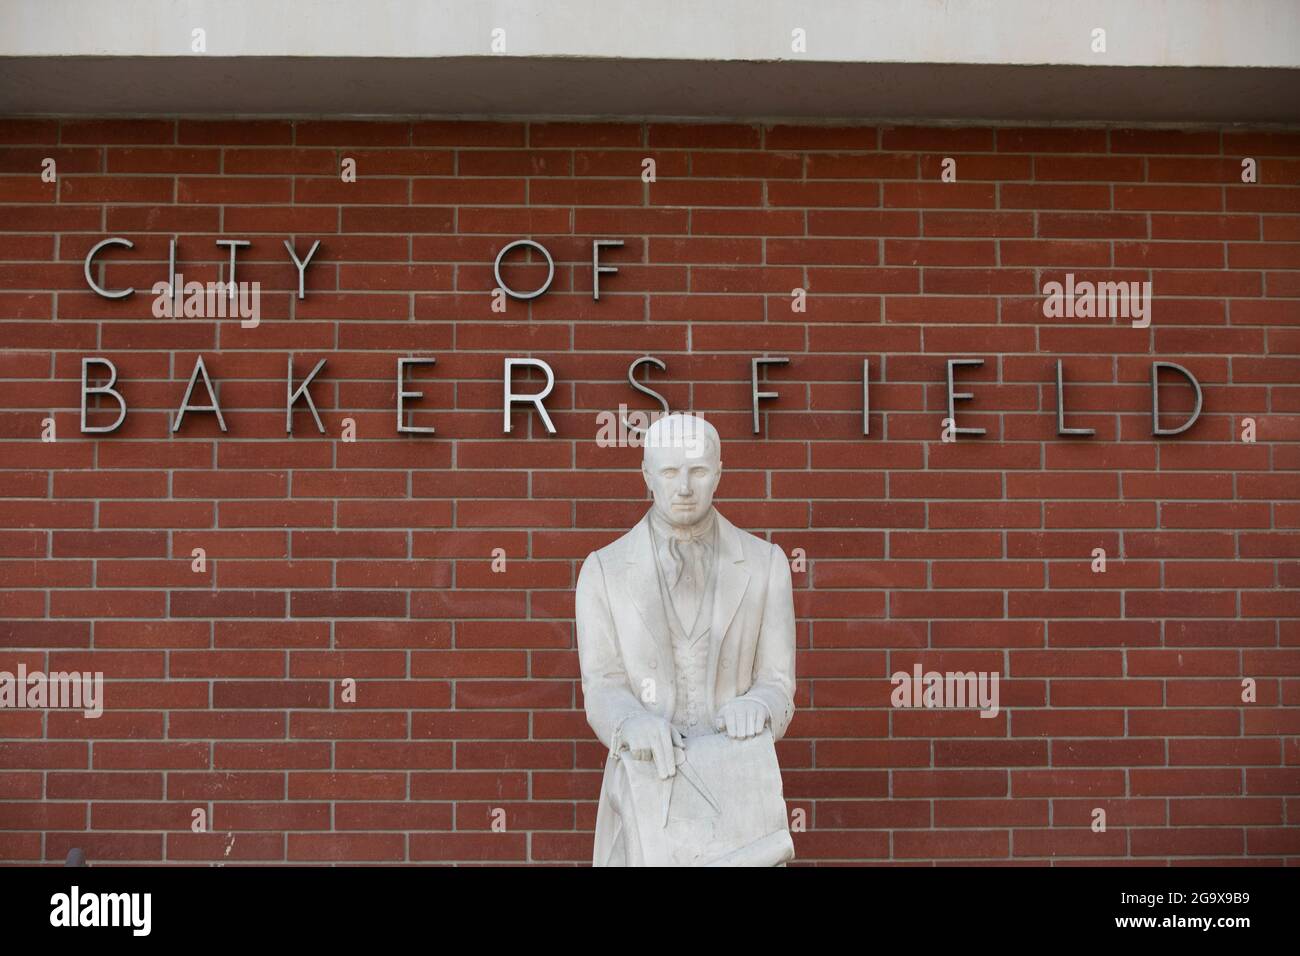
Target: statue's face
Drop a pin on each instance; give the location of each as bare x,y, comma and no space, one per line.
682,483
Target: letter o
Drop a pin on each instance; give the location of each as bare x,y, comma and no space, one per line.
550,267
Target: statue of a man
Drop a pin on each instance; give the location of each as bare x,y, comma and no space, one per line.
686,640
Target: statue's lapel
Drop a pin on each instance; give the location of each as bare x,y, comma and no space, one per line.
733,581
641,585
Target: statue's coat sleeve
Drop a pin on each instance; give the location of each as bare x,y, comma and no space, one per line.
606,694
774,660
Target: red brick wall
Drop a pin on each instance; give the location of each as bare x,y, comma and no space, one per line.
370,560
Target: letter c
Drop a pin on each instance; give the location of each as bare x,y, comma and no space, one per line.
90,256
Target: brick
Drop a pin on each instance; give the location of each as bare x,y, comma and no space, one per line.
373,560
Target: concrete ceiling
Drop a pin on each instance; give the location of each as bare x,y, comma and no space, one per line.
1157,61
650,88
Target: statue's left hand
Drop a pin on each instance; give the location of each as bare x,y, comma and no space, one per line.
741,718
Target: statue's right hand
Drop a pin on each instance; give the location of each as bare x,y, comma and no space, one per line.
649,737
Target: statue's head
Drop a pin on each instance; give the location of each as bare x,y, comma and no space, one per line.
682,465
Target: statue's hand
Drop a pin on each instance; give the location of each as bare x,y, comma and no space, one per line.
741,718
649,737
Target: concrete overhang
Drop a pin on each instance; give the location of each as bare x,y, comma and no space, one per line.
1165,61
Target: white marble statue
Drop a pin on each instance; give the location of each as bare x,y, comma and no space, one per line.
686,640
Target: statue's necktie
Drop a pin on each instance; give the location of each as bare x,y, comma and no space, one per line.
686,545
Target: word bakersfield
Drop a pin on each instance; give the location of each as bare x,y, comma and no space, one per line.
299,392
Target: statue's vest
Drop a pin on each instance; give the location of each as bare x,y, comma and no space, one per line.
693,714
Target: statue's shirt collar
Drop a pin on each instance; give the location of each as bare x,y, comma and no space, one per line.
701,532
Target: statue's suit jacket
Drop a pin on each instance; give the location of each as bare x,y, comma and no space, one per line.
624,640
